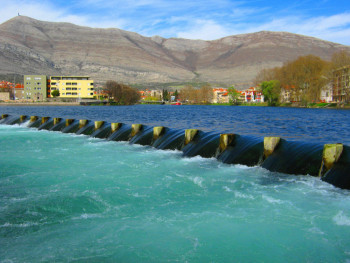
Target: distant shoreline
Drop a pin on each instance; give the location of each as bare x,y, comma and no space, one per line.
23,104
39,104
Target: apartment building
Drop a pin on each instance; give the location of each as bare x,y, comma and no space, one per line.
35,87
72,86
341,84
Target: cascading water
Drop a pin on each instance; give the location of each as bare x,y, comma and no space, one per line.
77,198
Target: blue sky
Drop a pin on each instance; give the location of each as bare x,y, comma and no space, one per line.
196,19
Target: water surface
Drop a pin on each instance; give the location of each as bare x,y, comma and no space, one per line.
297,124
73,198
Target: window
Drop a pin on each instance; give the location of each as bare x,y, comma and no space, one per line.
74,88
68,83
37,78
74,84
68,93
62,88
53,83
62,93
68,88
91,94
74,93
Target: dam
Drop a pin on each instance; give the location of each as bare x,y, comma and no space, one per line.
98,190
329,162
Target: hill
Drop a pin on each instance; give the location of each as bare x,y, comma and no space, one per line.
29,46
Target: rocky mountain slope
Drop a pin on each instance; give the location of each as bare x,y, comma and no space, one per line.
29,46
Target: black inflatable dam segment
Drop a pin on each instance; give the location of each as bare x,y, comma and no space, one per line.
10,120
86,127
294,158
34,122
46,123
58,124
338,162
71,126
169,139
3,118
241,150
143,137
122,133
102,130
16,120
202,144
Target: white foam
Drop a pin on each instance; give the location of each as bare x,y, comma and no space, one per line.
227,189
197,180
87,216
23,225
243,196
341,220
272,200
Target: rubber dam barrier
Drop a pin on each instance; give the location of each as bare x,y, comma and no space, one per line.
329,162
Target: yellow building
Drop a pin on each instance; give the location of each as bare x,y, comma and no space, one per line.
72,86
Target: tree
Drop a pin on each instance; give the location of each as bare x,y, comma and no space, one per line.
233,96
340,59
55,93
205,94
176,94
307,76
271,90
187,94
166,95
121,93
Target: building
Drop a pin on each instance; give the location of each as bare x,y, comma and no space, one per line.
251,95
220,95
4,96
341,84
35,87
289,94
19,92
72,86
156,94
326,94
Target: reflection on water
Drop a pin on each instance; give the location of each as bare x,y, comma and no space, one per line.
312,125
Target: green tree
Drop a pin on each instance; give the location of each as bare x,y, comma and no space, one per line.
165,95
233,96
271,90
176,94
55,93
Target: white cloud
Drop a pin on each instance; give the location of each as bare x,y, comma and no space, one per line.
204,29
45,11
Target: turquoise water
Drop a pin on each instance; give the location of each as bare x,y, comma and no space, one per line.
78,199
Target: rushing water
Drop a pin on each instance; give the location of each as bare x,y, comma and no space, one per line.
73,198
311,125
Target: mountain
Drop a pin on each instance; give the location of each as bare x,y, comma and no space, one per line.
29,46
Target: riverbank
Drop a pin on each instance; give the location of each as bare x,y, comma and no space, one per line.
39,104
284,105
